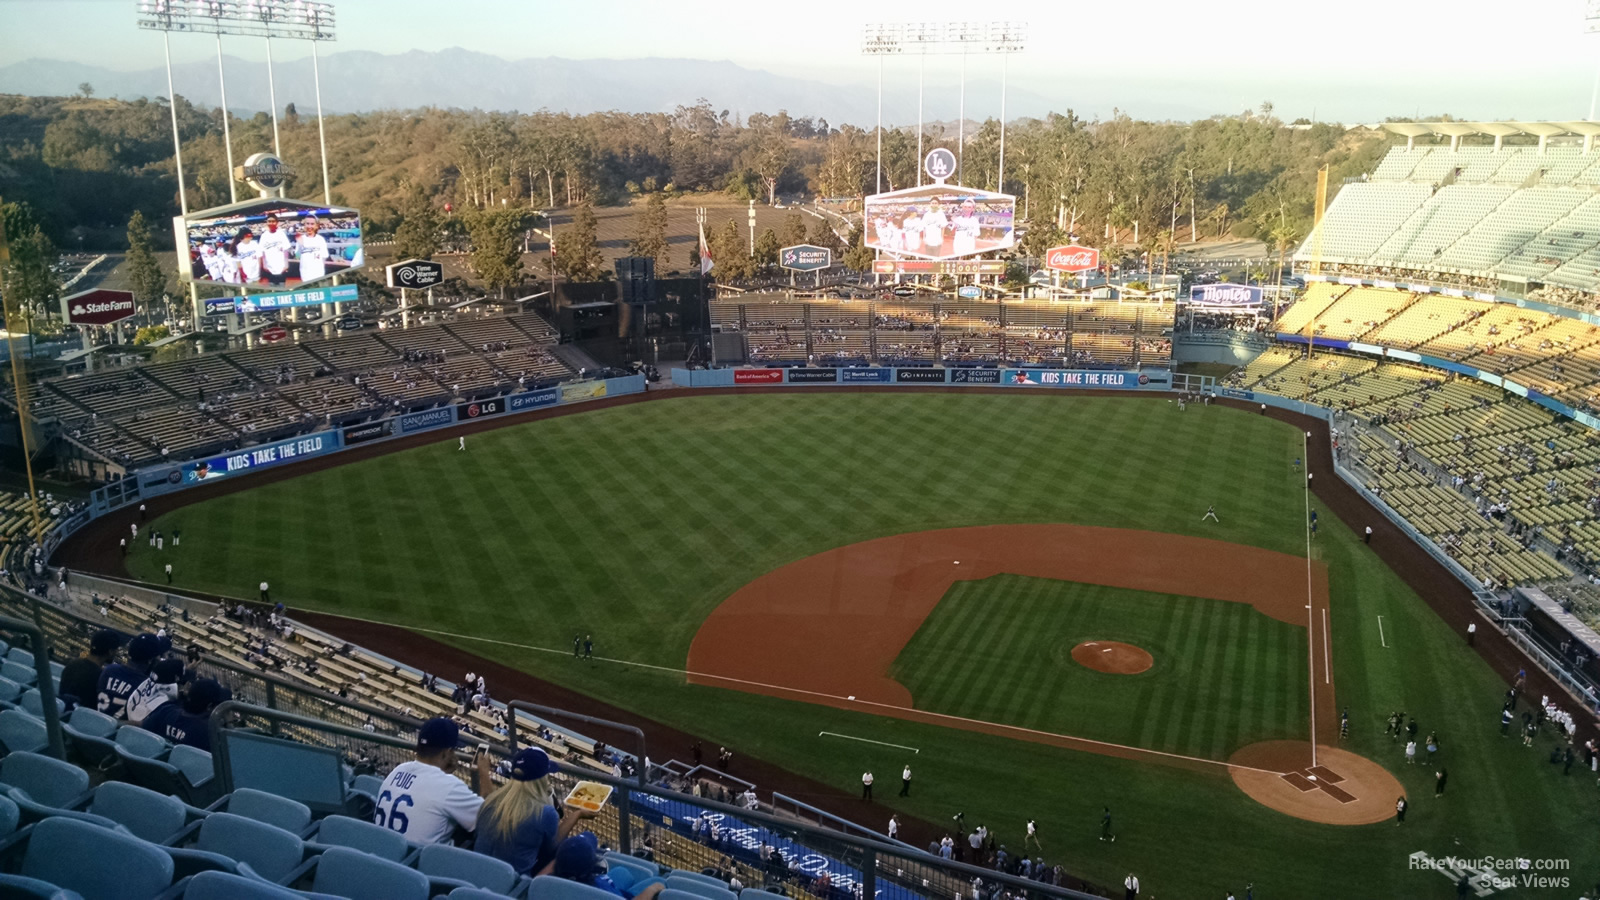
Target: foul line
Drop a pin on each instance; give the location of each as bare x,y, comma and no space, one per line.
1381,638
851,737
1311,615
1327,657
835,697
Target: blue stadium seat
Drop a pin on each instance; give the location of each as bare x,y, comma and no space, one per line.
472,893
98,863
92,736
146,744
90,722
269,852
164,778
22,733
367,784
225,886
679,894
639,867
362,876
16,887
703,885
19,656
281,812
19,673
55,671
549,887
32,703
46,780
758,894
441,861
343,831
10,691
195,764
147,815
10,816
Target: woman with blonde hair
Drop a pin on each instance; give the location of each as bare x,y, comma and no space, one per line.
519,823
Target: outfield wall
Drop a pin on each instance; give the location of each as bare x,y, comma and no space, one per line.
1090,379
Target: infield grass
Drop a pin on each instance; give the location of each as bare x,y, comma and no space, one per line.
633,523
1000,650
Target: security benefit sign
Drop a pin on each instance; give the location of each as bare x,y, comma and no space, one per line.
805,257
975,376
261,457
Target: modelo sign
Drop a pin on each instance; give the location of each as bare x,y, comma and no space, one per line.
1072,258
805,257
97,307
415,273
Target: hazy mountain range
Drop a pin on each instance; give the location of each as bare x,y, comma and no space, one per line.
361,81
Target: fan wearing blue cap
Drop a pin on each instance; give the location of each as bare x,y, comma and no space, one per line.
118,680
519,823
188,720
421,799
578,859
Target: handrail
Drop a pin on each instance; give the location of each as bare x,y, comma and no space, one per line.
41,666
537,709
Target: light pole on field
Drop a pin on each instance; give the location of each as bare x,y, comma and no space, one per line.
1591,25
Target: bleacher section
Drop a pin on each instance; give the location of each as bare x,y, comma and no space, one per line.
780,328
179,410
1475,216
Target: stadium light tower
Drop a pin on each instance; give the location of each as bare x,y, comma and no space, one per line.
881,40
1005,38
1591,25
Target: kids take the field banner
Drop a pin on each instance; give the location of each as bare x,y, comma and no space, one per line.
261,457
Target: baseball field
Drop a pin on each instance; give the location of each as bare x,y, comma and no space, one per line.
971,578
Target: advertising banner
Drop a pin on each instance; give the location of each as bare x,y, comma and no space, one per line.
97,307
479,409
975,376
422,421
535,399
919,376
260,457
268,243
414,273
805,257
1076,378
940,221
221,306
813,376
1225,294
757,376
338,293
862,376
946,267
358,434
585,390
1072,258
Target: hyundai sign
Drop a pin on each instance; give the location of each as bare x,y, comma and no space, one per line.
805,257
97,307
1072,258
1247,295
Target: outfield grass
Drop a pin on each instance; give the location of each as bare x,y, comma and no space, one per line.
999,650
633,523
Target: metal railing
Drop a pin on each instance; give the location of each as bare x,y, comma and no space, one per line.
816,860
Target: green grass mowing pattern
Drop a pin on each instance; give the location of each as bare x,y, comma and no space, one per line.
634,522
999,650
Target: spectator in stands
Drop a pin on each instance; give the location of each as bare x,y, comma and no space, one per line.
520,823
188,721
435,801
160,687
118,680
80,679
578,859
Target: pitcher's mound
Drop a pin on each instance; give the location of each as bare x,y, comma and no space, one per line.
1343,788
1112,657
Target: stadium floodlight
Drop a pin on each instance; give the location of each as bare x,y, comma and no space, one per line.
1591,25
880,40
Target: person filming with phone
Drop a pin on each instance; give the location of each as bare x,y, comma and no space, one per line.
422,799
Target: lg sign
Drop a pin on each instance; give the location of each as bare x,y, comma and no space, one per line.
97,307
1072,258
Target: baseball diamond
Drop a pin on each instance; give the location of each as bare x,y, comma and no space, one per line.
757,566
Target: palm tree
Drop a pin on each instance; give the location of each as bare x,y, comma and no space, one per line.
1219,216
1285,235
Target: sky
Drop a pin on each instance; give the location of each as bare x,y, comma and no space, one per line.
1357,60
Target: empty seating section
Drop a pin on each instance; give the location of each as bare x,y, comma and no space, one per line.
1419,321
915,330
1494,324
1472,216
177,409
1358,311
1318,297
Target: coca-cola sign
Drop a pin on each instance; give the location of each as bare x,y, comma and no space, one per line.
1072,258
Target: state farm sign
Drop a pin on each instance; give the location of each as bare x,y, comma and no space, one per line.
97,307
1072,258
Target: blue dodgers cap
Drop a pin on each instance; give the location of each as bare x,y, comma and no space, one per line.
167,671
438,734
144,648
531,764
105,641
204,694
577,856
